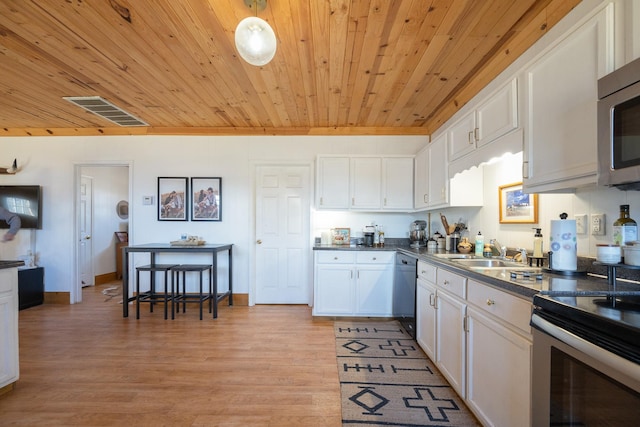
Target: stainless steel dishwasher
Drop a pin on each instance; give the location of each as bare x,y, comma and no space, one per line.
404,292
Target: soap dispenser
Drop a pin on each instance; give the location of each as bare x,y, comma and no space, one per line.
537,243
479,244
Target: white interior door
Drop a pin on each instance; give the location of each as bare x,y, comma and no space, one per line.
282,249
86,225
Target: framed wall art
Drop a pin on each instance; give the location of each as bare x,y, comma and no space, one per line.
172,199
341,236
207,199
517,207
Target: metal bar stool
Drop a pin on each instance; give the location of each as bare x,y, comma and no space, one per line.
152,296
183,296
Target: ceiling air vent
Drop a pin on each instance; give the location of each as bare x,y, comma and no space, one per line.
105,109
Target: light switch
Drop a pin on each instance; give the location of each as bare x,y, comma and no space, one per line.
581,223
147,200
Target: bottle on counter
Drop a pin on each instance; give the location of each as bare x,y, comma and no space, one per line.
380,236
479,244
625,229
537,243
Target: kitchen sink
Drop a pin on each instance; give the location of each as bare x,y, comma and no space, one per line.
487,263
455,256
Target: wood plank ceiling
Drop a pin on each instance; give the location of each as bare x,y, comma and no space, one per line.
342,66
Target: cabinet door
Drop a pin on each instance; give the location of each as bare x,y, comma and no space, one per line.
374,290
438,173
426,317
451,339
332,190
334,289
499,115
397,181
462,136
560,132
499,370
9,365
421,181
366,182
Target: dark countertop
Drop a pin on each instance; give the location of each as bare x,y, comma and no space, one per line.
499,277
11,264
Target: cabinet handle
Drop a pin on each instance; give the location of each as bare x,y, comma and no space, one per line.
423,272
425,198
469,137
445,282
353,201
525,169
490,301
335,257
385,201
321,201
374,258
432,302
476,132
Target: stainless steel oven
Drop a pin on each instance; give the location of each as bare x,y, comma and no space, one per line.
619,128
586,360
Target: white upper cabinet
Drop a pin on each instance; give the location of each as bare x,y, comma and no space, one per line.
332,183
421,180
494,118
438,172
366,183
462,136
498,115
560,130
397,183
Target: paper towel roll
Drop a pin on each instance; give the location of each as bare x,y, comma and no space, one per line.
563,244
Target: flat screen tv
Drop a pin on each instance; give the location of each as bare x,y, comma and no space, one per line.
26,201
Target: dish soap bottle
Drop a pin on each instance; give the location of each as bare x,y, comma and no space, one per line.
537,243
479,244
625,229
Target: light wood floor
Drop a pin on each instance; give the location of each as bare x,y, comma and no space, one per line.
85,365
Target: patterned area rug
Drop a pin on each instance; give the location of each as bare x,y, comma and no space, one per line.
387,380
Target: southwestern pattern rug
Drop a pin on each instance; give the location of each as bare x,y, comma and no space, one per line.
387,380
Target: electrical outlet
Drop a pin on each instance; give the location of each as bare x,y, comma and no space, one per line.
597,224
581,223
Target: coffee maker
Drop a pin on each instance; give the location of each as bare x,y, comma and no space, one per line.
417,234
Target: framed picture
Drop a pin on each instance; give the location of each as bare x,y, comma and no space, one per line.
341,236
517,207
172,199
207,198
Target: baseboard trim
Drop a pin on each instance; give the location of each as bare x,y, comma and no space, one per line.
240,299
106,278
57,297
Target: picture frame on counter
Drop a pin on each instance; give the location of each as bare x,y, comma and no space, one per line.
172,198
516,206
341,236
207,199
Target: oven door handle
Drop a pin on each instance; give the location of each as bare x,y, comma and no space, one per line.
621,364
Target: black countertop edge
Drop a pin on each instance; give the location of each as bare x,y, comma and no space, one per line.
11,264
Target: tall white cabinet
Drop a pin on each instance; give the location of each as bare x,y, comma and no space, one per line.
562,95
9,364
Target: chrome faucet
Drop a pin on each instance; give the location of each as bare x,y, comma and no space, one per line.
502,250
523,255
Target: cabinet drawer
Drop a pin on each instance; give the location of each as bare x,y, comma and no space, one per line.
335,257
507,307
452,282
427,271
375,257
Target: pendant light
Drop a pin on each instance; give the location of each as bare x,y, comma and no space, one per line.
255,39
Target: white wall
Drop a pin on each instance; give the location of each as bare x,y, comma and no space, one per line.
50,162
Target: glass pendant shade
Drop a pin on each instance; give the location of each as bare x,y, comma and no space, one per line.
255,41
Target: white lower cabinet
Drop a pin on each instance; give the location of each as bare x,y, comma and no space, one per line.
480,339
499,347
353,283
9,365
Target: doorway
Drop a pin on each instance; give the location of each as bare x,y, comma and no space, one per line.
99,192
282,234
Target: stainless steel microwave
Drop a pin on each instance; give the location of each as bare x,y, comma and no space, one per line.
619,128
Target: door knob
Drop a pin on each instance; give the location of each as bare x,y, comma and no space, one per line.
87,237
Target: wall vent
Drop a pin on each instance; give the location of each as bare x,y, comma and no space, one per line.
106,110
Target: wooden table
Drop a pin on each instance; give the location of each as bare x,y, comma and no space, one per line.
155,248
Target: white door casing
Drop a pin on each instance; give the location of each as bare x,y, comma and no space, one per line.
85,224
282,246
